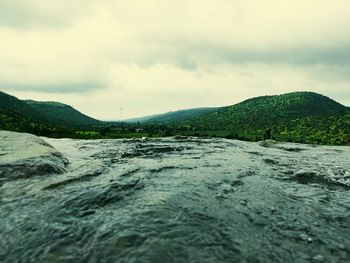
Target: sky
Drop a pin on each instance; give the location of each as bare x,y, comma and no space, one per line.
154,56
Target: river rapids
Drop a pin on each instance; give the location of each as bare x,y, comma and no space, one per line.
181,200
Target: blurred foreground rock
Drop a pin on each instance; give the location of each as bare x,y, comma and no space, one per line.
24,155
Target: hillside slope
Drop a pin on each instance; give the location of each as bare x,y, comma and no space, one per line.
61,114
264,112
333,128
34,117
12,105
15,115
141,119
297,116
175,116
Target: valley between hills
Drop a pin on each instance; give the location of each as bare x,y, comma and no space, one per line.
302,117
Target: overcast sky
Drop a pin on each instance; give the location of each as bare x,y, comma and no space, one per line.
152,56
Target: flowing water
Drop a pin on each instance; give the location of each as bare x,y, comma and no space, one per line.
181,200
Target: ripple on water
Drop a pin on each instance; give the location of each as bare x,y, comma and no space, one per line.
181,200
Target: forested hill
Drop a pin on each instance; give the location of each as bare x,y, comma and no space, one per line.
61,114
266,111
308,116
31,116
298,117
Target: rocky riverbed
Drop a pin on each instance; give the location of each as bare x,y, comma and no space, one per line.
174,200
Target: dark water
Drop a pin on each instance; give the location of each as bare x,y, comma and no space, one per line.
181,201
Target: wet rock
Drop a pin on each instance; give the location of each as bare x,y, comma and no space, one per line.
306,238
220,196
243,202
84,177
180,137
270,161
306,176
151,150
318,258
324,178
267,143
273,210
236,183
24,155
291,149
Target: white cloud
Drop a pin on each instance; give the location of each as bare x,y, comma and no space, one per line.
151,56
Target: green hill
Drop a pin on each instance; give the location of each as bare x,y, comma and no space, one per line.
39,117
333,128
174,116
297,116
61,114
11,104
15,114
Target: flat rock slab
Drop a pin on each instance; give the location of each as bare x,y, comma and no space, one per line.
23,155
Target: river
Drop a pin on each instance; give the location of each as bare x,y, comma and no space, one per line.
181,200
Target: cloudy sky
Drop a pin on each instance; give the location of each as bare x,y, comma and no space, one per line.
152,56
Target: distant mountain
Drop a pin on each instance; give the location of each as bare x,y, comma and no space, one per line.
22,115
297,114
142,119
175,116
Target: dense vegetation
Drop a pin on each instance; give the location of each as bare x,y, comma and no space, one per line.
41,118
267,111
321,129
297,117
61,114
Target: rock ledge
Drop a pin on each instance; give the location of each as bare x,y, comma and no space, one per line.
23,155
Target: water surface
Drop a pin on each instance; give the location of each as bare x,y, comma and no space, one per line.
181,200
